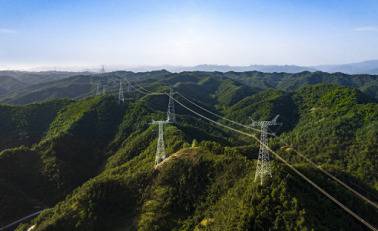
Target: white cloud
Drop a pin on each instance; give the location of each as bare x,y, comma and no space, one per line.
367,29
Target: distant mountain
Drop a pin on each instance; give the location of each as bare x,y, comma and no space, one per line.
81,86
73,86
32,77
367,67
227,68
18,82
9,84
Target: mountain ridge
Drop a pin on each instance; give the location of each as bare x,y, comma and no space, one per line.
93,169
362,67
81,86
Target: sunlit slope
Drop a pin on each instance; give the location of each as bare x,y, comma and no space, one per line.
330,124
84,138
338,126
69,154
101,153
265,106
197,190
291,82
211,89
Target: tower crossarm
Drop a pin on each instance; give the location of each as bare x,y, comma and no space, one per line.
159,122
265,122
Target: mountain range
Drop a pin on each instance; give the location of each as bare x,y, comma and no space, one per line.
17,88
365,67
88,161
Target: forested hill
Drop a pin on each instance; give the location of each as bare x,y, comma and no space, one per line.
89,163
37,87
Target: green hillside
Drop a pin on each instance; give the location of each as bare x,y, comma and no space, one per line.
91,165
42,86
292,82
338,126
69,154
48,86
26,125
197,190
9,84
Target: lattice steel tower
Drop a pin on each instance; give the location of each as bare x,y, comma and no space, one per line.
121,97
263,162
160,148
171,116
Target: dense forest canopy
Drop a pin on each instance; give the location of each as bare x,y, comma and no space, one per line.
89,161
25,88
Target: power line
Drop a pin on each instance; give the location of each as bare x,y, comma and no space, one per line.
20,220
326,194
136,88
281,159
214,114
290,166
263,161
322,170
210,112
336,179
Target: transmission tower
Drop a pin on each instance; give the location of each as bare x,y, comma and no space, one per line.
263,162
171,116
121,97
160,148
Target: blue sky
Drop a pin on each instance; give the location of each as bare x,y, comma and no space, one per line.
133,33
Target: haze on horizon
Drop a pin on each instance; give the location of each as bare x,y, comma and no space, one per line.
38,33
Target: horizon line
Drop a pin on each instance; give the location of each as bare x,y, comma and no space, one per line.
120,67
